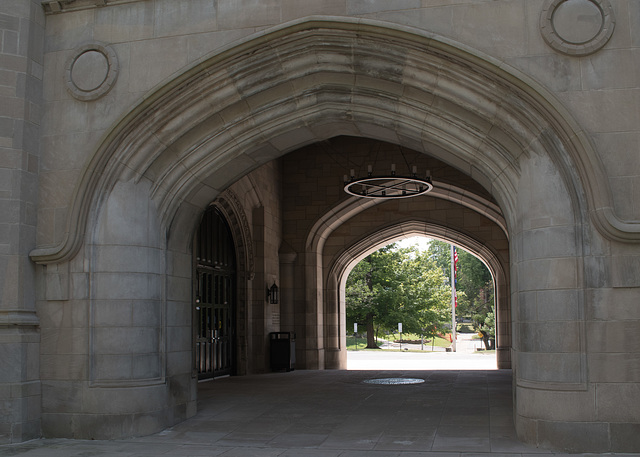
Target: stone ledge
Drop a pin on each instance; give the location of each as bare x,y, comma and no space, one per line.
63,6
18,317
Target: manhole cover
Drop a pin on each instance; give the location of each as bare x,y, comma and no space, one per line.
394,381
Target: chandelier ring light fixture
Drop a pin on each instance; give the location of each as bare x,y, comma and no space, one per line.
387,186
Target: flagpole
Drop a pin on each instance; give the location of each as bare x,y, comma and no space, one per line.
453,299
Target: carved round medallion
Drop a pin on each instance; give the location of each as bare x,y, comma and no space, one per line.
577,27
91,71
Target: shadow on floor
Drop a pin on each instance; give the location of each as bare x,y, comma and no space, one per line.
330,414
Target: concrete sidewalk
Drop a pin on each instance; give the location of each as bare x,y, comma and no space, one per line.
387,360
465,342
466,357
452,413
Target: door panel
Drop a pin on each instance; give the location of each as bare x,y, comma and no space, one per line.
214,314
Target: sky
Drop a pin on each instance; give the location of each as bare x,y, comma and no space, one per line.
421,241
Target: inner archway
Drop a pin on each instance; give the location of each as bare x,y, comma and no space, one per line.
399,309
495,261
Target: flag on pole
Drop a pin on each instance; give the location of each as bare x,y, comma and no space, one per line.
454,295
455,263
455,274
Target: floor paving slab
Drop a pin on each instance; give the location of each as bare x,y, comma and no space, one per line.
454,413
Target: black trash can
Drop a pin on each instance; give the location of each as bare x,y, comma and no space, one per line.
283,351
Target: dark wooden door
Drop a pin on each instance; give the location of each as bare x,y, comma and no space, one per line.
214,314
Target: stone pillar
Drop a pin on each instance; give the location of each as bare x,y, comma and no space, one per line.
314,313
116,331
503,325
335,353
257,339
21,59
613,347
287,286
554,403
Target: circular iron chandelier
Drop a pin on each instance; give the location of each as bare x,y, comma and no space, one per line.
387,186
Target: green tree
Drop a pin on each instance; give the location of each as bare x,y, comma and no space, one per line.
369,300
488,331
397,285
425,293
440,253
474,285
360,297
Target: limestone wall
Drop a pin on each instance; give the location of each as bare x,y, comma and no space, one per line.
21,73
153,40
122,120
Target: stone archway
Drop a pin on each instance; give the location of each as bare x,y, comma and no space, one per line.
458,209
341,265
400,85
312,80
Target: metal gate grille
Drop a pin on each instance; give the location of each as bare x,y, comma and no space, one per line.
214,315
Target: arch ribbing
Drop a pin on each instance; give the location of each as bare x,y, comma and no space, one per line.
358,251
341,266
301,82
334,217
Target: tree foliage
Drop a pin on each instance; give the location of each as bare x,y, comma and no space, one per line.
474,286
395,285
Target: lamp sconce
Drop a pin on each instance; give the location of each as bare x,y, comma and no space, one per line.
272,294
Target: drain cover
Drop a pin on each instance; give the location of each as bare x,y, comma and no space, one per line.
394,381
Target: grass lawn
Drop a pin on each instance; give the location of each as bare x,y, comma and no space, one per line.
362,342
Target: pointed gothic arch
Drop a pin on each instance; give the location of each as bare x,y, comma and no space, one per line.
436,95
336,276
231,209
311,80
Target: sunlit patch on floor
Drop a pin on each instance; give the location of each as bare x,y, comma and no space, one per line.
394,381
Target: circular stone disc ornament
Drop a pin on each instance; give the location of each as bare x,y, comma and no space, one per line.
394,381
577,27
91,71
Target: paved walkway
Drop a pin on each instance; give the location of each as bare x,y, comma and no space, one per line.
385,360
453,413
466,357
465,343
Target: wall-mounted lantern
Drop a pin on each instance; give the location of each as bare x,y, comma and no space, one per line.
272,294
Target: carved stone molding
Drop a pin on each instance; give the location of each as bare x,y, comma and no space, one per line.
18,318
91,71
232,207
577,27
535,123
63,6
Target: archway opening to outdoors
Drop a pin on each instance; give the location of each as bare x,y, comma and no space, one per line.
346,229
402,300
510,166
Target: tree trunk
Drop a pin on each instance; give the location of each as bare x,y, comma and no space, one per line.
371,336
485,340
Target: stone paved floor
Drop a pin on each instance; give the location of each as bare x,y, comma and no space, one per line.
453,413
